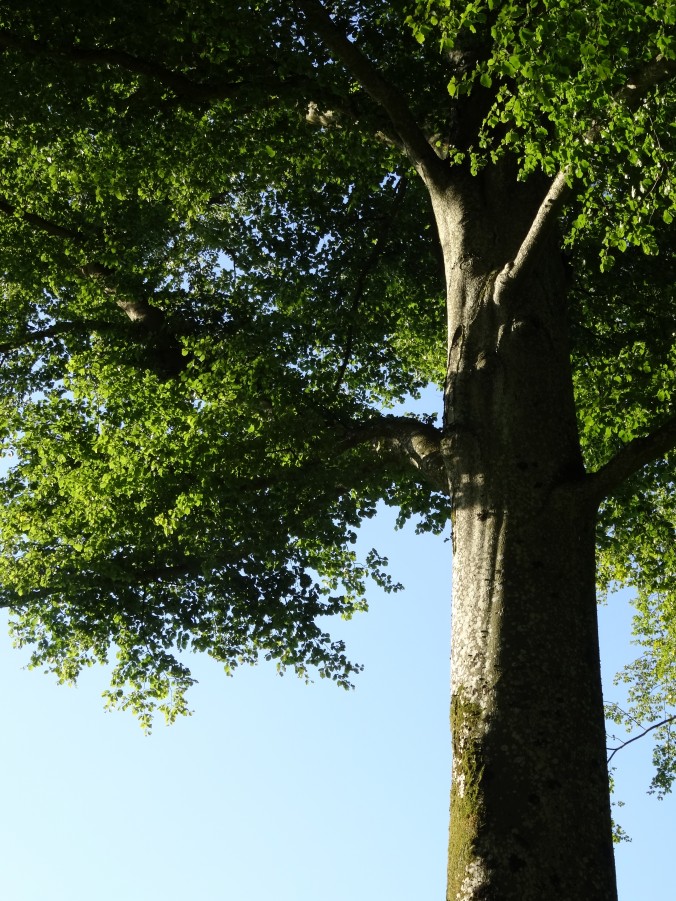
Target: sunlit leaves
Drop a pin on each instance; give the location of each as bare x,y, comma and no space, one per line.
625,358
557,74
191,487
192,481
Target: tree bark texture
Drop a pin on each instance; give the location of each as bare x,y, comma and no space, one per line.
530,811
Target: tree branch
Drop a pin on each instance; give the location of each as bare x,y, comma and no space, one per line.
180,85
376,251
40,224
430,167
656,71
137,310
633,456
61,328
416,443
412,442
664,722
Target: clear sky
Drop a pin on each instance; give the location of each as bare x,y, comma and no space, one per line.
273,789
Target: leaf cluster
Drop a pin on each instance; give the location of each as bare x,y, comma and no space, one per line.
217,270
192,480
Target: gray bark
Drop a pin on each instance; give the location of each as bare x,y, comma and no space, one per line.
530,812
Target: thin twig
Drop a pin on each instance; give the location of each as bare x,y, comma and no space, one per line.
360,286
664,722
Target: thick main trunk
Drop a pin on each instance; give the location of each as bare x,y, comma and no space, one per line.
530,814
529,804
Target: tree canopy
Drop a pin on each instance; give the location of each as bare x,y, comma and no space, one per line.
221,279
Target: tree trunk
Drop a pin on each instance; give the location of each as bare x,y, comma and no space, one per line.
530,811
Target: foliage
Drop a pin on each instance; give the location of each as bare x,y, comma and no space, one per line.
553,70
195,486
626,381
218,268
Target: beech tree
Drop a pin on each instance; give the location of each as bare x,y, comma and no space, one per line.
237,239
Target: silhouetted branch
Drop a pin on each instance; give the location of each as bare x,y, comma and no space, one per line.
38,223
185,88
34,336
362,278
664,722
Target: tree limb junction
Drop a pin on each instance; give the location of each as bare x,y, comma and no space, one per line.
655,72
429,166
633,456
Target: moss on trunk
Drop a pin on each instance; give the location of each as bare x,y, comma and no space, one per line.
466,801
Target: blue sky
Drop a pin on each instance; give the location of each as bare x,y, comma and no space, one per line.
274,789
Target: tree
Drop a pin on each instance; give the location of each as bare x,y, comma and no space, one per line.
234,235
